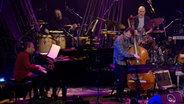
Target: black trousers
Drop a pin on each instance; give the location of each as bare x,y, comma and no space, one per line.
120,76
38,82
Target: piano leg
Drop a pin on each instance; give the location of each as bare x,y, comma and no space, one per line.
56,91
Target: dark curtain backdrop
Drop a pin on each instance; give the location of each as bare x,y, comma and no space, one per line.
16,21
18,18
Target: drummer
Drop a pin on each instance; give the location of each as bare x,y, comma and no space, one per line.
138,24
61,23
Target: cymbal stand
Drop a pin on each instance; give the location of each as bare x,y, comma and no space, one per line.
97,61
154,53
70,35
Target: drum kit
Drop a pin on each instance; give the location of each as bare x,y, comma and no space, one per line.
159,47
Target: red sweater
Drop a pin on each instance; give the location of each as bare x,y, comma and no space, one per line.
22,66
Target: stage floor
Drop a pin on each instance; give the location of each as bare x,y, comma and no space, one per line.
87,95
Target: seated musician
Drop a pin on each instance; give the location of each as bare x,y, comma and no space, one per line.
25,71
121,46
137,22
61,23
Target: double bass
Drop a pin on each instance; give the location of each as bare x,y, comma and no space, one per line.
146,79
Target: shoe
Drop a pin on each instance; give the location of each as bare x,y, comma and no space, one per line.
54,97
32,100
43,97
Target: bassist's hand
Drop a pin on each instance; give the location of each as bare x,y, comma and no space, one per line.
136,56
136,33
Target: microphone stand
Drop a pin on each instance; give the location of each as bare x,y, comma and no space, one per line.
105,38
109,7
77,15
73,12
150,4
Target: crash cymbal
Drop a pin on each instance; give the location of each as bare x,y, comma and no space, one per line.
112,23
153,23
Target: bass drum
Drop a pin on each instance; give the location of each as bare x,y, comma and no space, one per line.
44,44
60,40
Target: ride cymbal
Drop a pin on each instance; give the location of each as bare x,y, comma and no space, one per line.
153,23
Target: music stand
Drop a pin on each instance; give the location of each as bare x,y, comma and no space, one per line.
135,69
141,68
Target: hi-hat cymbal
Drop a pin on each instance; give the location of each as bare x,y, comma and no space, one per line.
153,23
112,23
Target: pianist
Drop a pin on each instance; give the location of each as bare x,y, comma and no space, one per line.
25,71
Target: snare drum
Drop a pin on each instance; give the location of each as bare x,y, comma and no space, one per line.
45,42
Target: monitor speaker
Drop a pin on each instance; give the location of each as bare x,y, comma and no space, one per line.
169,98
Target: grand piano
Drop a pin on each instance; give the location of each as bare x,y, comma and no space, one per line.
80,66
77,65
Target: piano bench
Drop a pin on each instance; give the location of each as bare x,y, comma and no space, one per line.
19,89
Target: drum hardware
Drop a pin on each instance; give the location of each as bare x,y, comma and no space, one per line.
158,31
107,40
111,23
108,37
